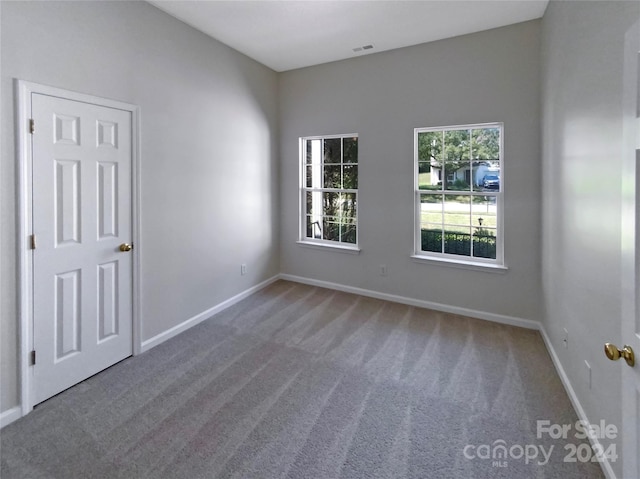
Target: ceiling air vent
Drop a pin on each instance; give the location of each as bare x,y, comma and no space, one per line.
364,47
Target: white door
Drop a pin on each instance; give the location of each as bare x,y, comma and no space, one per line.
631,256
82,281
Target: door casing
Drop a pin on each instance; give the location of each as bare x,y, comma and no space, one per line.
24,91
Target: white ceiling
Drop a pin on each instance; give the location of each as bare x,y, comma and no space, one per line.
289,34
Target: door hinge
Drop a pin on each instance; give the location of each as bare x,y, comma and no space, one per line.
32,126
33,241
32,358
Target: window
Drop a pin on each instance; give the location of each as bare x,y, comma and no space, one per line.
329,190
458,193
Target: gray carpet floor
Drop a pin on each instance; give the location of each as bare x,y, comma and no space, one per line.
302,382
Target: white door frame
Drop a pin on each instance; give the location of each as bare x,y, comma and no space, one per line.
25,256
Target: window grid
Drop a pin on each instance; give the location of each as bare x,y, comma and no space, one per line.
459,192
329,190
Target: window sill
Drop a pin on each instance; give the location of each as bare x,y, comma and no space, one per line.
462,264
326,246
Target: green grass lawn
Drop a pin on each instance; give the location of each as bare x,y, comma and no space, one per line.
460,221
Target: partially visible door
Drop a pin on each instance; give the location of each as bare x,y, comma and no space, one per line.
630,393
82,281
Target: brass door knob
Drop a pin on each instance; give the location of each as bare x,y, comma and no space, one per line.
126,247
613,353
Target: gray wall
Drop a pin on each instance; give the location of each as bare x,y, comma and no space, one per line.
210,133
582,79
209,150
483,77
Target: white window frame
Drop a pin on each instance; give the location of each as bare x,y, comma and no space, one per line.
471,262
302,189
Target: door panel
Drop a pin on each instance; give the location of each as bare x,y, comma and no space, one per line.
81,214
107,300
67,313
630,323
67,201
107,199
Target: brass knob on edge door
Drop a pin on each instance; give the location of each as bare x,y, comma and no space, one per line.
613,353
126,247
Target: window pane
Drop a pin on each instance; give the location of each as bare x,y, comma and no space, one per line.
431,238
313,151
460,178
484,243
457,241
429,176
348,234
485,144
350,177
488,176
349,205
309,202
313,228
431,209
332,176
309,177
350,150
330,229
332,150
430,146
331,204
484,212
457,211
457,146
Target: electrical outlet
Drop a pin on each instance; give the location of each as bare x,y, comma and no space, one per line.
383,270
588,373
243,269
565,340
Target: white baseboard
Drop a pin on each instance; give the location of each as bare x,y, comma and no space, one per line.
595,443
198,318
497,318
10,415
